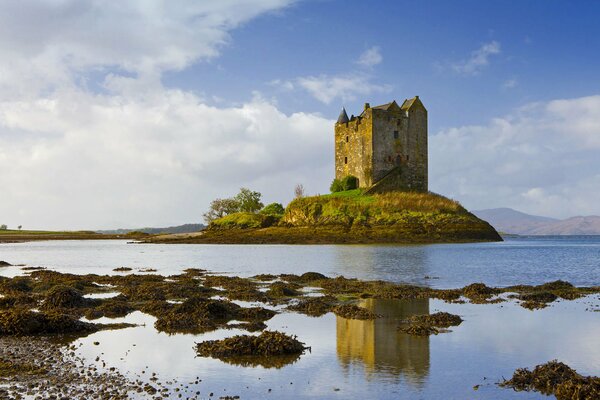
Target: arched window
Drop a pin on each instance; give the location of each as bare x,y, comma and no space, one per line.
345,160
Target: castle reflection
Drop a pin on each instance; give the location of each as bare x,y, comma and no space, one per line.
379,347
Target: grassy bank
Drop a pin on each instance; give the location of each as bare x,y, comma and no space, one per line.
15,236
352,217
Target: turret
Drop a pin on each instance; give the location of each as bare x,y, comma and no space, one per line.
343,118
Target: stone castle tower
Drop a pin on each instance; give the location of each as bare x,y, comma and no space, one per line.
385,147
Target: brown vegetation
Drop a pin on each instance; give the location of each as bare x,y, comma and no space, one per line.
555,378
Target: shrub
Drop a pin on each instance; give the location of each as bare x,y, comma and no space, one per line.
336,186
273,209
350,183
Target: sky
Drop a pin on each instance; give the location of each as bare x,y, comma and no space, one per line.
139,113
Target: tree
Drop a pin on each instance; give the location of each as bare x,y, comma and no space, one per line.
299,191
3,227
221,207
248,200
20,226
273,209
336,186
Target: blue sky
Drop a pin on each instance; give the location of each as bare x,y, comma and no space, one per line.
139,113
548,50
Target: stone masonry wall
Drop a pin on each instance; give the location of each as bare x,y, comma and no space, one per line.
353,150
379,141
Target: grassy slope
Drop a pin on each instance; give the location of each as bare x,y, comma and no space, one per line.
10,235
351,217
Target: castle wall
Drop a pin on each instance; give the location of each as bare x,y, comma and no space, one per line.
390,142
417,173
353,150
383,140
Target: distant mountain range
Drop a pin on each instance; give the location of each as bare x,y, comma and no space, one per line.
507,220
186,228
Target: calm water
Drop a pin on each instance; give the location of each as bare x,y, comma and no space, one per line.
524,260
350,358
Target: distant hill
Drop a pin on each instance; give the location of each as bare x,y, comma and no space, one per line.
186,228
508,220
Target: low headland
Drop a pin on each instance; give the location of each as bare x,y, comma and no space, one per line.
348,217
17,236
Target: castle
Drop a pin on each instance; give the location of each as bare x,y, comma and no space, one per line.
385,147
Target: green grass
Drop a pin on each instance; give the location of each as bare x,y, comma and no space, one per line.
244,220
352,217
28,232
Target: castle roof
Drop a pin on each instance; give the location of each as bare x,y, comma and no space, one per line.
409,103
385,106
343,118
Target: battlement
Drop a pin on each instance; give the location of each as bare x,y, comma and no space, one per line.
382,139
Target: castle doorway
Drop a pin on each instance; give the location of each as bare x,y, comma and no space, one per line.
398,160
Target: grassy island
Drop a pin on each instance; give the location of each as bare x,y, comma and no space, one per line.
351,217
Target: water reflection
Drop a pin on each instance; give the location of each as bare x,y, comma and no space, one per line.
410,265
379,346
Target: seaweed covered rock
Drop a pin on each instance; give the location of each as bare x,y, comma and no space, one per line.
555,378
61,296
268,343
199,314
439,319
478,292
351,311
314,306
20,321
282,289
419,329
4,264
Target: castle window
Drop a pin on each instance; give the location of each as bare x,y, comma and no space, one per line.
345,160
346,139
396,135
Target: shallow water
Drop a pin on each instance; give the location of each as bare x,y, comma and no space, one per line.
516,261
351,358
371,359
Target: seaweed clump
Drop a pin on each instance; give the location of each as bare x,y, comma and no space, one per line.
439,319
555,378
21,321
419,329
430,324
351,311
61,296
199,314
478,292
314,306
269,349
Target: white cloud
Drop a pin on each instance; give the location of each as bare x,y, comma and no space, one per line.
326,88
135,153
541,159
345,86
44,43
78,160
479,59
370,57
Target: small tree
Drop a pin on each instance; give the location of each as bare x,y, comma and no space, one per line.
299,191
350,183
336,186
3,227
249,200
221,207
20,226
273,209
